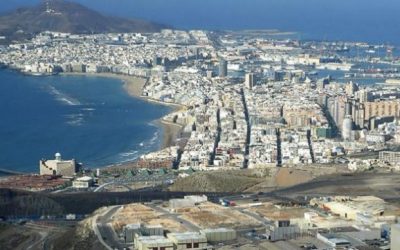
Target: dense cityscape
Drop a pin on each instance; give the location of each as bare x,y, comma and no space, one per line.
272,143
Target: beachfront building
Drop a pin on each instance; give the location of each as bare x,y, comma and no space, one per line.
58,166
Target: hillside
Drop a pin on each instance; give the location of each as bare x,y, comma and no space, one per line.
68,17
224,181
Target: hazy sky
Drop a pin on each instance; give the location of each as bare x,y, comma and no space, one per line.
374,20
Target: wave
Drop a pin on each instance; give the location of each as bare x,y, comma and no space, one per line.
88,109
152,124
129,153
154,138
62,97
146,147
129,156
75,119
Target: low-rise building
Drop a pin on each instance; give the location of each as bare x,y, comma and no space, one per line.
153,243
58,166
83,182
219,234
188,240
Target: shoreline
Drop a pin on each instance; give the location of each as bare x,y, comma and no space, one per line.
134,85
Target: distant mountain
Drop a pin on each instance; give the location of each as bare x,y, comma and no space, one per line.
69,17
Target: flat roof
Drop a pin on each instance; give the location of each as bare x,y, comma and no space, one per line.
155,239
212,230
84,178
187,236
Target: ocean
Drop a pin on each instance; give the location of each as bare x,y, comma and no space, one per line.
373,21
91,119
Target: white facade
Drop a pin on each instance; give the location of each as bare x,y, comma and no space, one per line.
347,128
83,182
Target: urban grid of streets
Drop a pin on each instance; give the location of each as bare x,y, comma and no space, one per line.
247,100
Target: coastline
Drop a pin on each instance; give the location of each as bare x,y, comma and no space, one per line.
134,85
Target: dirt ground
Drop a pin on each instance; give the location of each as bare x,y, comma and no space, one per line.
31,235
139,213
209,215
272,212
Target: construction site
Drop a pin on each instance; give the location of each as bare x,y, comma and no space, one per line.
210,215
141,214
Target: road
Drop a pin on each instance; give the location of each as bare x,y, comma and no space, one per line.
110,240
383,185
104,232
176,217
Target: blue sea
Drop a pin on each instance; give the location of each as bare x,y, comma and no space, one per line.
374,21
91,119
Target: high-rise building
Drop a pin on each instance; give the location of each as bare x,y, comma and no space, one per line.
249,82
348,110
196,53
347,128
156,61
363,95
382,108
351,88
337,109
209,74
223,68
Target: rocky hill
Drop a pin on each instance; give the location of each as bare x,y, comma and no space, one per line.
69,17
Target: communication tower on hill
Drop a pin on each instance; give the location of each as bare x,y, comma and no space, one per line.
49,9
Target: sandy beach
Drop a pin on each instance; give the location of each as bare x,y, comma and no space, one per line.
134,86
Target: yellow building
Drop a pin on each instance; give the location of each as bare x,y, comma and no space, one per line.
381,109
57,166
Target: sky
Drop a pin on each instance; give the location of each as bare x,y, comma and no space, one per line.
372,20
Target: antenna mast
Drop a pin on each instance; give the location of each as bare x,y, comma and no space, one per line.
48,10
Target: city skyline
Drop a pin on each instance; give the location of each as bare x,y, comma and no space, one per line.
135,134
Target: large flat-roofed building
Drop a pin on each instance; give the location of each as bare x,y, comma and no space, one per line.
58,166
188,240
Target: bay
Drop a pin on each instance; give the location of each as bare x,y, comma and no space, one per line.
91,119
